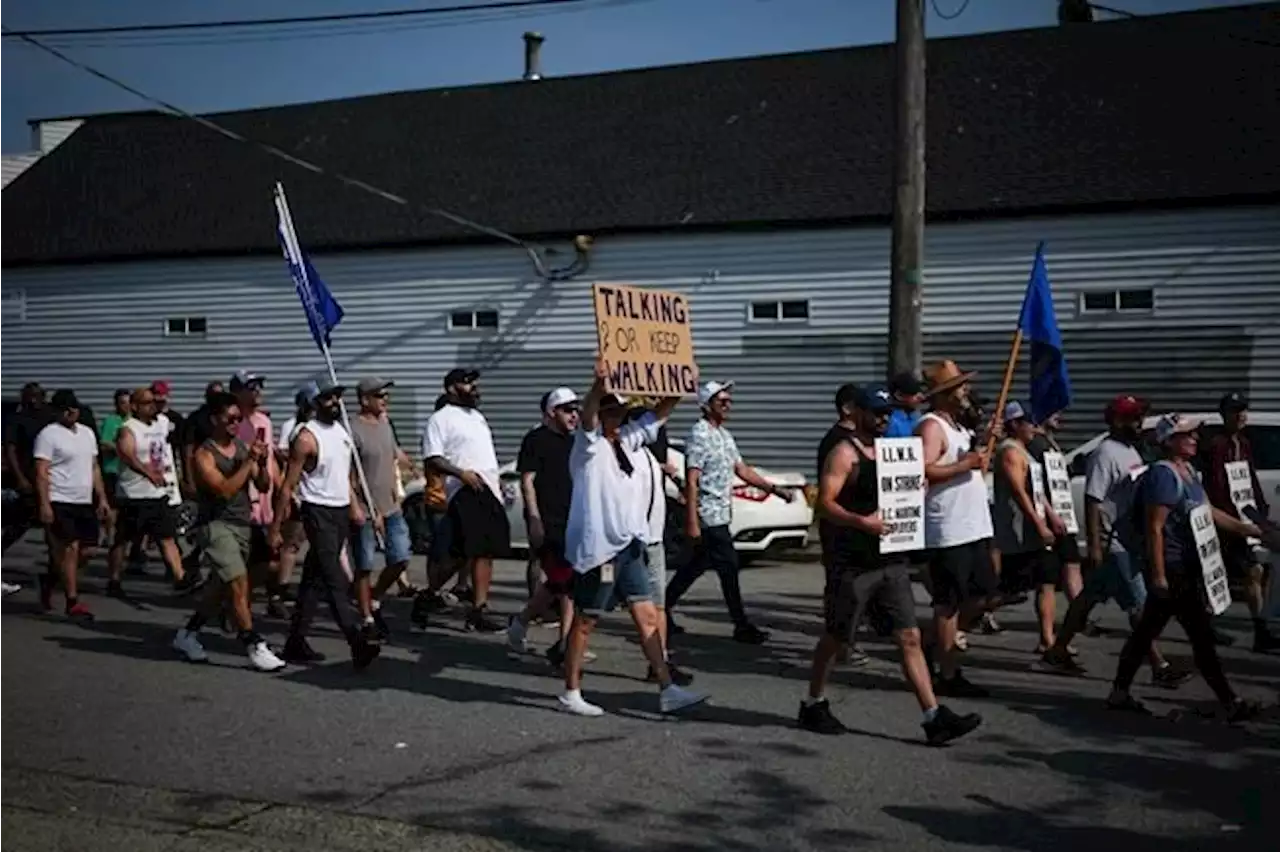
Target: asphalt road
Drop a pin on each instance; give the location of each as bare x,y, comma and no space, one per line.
110,743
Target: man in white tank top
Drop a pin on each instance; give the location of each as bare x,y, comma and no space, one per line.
320,472
143,488
957,524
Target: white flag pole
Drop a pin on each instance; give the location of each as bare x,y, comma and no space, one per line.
295,250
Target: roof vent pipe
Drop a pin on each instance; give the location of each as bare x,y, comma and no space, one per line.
532,50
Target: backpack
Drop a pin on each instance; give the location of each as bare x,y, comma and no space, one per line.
1131,526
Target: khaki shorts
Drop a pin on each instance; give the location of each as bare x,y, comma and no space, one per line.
226,548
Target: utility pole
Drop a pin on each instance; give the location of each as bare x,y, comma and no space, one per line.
906,274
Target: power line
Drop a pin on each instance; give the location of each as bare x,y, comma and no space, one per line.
964,4
304,19
561,274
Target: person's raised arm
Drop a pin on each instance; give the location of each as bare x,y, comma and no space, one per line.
589,419
213,480
840,464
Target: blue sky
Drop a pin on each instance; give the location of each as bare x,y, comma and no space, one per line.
603,35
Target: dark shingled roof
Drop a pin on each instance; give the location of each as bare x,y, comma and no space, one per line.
1163,110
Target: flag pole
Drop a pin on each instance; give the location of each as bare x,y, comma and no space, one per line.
291,236
1009,367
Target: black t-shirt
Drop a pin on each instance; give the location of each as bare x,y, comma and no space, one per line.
545,453
194,430
21,431
1039,444
179,425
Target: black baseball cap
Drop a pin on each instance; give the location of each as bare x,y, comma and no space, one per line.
846,394
906,384
875,398
460,376
1233,401
64,399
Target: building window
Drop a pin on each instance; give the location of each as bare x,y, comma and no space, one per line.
186,327
1116,301
791,310
469,320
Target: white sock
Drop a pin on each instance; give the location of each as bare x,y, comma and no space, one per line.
368,619
930,714
375,605
809,700
573,694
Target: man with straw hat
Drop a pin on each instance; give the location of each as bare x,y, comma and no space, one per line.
957,520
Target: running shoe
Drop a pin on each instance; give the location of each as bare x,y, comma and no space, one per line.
187,643
947,725
817,718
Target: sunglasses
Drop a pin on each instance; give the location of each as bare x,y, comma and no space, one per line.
231,421
572,408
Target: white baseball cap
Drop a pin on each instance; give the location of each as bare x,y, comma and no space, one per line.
708,391
559,397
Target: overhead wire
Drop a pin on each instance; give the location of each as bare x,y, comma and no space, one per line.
949,16
581,244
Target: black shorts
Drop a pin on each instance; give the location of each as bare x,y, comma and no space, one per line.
1021,572
851,589
75,522
478,525
152,517
1067,550
962,573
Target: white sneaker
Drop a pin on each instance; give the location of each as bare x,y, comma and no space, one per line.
673,699
188,645
589,657
579,706
10,588
264,659
517,644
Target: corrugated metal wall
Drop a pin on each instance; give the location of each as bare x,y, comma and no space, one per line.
1215,277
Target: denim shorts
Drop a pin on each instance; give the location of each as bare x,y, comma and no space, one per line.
593,594
396,543
656,563
1119,577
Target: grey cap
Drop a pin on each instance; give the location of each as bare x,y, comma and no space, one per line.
326,387
373,384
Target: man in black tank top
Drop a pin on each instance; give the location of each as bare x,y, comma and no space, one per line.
857,573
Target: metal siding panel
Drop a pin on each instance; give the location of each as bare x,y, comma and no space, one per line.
16,164
98,327
51,134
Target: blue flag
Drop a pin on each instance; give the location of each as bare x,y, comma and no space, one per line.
323,311
1050,384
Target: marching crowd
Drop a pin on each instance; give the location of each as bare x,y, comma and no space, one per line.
594,481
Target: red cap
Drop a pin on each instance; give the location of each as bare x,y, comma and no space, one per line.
160,387
1126,405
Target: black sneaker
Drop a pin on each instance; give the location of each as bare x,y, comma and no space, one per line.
555,656
1058,662
959,686
678,676
947,726
749,634
479,620
1170,677
816,717
1265,641
369,633
1126,703
299,652
384,632
364,652
276,608
116,590
1242,711
189,583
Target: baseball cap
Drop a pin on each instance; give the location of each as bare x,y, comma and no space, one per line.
160,387
846,394
64,399
1014,411
874,397
1233,401
1174,424
306,393
559,397
708,391
613,400
244,378
906,384
460,376
1126,405
325,388
373,384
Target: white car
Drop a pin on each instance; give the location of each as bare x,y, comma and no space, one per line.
761,522
1264,437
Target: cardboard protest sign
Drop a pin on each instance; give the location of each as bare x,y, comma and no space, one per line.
1211,563
1240,483
1055,471
645,340
900,469
1039,498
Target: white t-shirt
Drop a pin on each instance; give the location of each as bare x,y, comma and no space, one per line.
654,497
461,436
286,434
72,454
607,509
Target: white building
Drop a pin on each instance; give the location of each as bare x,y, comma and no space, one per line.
761,187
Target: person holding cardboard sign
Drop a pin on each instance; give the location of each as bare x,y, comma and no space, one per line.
606,537
860,571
